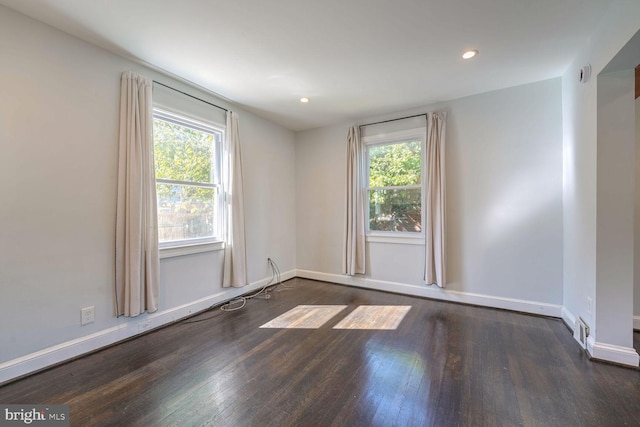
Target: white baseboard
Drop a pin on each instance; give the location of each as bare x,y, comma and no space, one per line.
612,353
636,322
435,292
128,328
569,318
603,351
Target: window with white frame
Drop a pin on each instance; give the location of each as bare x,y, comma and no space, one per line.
395,182
187,167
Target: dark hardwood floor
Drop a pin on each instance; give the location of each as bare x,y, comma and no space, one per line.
445,365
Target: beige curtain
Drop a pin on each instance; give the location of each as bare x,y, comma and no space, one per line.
434,202
235,257
354,248
137,262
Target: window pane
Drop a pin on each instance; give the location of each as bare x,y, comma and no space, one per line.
182,153
395,210
395,164
185,212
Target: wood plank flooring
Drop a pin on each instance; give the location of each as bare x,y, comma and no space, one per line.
445,365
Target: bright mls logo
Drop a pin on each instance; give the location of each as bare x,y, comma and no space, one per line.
36,415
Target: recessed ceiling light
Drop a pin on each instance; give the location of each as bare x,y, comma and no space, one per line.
304,100
469,54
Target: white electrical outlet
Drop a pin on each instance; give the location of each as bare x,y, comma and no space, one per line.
87,315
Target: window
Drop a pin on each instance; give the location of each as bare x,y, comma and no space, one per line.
187,166
394,183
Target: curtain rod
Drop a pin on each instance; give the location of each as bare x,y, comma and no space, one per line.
190,96
394,120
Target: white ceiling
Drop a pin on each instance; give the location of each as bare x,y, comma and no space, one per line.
353,58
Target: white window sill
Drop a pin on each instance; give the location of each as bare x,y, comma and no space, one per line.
398,240
195,248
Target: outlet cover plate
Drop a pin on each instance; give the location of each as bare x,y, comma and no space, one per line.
87,315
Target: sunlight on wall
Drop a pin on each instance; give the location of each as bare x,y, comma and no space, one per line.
521,200
568,161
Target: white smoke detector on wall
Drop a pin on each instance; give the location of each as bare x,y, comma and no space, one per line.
585,74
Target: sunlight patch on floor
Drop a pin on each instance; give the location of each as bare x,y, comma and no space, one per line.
372,317
383,317
305,317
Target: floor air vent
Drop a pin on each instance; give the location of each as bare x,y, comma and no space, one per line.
581,332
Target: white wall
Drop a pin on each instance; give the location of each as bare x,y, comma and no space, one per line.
615,208
59,100
579,194
581,171
504,199
636,277
320,198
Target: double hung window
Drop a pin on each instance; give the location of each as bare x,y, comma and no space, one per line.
187,166
395,182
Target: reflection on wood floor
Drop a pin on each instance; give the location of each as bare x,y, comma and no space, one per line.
444,365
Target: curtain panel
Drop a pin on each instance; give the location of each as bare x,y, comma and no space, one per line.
435,202
235,256
136,263
354,246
